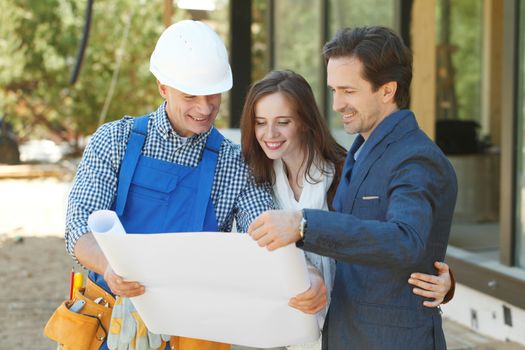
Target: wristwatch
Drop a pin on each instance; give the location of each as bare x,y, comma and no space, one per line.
302,226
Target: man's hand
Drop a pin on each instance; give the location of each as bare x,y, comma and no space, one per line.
120,287
430,286
90,255
276,228
315,298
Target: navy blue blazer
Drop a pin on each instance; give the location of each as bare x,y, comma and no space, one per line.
394,211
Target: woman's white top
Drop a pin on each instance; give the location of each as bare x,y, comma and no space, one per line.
313,196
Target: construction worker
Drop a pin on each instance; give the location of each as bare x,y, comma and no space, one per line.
169,171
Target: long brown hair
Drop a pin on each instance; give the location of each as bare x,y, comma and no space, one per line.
315,137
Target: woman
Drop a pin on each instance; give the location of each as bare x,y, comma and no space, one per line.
287,144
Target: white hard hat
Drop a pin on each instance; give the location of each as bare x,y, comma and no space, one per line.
190,57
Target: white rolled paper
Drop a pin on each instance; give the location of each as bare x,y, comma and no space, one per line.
105,221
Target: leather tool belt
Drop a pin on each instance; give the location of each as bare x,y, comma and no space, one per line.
182,343
86,329
83,322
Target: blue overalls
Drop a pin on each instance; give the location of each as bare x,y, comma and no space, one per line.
157,196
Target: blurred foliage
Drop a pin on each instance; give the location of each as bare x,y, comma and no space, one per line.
39,42
219,20
298,39
260,44
355,13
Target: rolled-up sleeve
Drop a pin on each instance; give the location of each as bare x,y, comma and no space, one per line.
95,183
253,201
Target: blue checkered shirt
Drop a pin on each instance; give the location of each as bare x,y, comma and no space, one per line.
234,193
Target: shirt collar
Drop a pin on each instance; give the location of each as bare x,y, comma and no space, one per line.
162,124
359,147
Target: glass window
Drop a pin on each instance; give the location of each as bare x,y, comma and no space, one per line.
464,60
355,13
297,39
520,175
261,45
459,52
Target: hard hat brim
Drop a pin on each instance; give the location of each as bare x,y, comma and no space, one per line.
210,89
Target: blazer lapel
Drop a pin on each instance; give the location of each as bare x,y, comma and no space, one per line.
375,146
361,170
344,182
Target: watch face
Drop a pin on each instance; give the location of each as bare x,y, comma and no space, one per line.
302,226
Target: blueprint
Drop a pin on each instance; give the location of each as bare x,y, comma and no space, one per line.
211,285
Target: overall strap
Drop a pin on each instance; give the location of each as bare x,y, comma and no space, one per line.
207,171
131,158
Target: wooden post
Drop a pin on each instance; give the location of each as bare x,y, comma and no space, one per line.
167,13
491,70
423,37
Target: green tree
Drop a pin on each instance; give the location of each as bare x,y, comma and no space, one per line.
39,46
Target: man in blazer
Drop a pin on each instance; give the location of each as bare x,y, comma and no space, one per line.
394,203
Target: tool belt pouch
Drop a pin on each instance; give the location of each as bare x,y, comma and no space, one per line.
182,343
86,329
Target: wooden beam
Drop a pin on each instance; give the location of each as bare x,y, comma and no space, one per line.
31,171
509,149
423,39
491,70
167,13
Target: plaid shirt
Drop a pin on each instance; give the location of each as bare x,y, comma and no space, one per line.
234,194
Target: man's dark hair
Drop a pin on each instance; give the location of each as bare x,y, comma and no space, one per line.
383,54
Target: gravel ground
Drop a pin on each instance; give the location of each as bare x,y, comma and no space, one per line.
34,278
34,266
